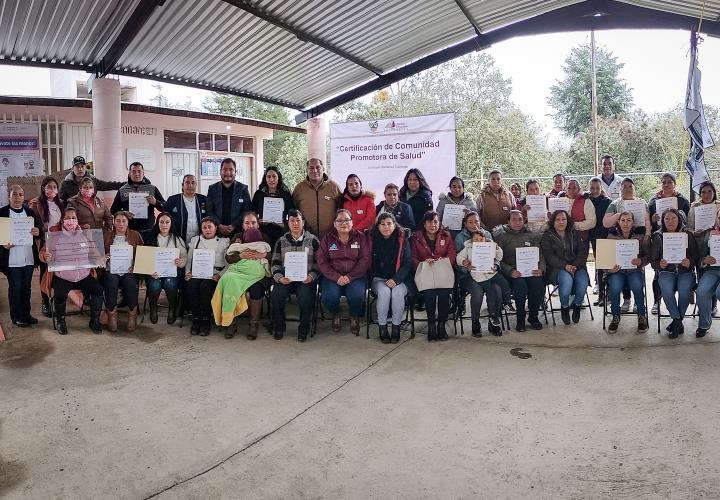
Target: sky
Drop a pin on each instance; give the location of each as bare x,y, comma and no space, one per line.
656,68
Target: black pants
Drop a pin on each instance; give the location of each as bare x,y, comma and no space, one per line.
531,289
19,286
127,283
306,299
199,294
439,297
257,289
89,286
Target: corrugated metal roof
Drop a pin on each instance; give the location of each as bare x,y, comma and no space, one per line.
297,53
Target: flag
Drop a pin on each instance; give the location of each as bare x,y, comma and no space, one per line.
695,123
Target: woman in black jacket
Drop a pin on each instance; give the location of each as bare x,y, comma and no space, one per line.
272,186
391,266
186,209
416,193
566,262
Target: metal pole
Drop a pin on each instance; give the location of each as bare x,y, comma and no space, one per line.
596,167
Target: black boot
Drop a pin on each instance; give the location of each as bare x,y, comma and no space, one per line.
94,324
476,327
441,332
153,301
395,335
46,306
576,314
384,335
432,331
195,328
520,316
204,326
172,296
60,324
565,315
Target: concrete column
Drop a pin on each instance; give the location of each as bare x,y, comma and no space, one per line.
107,139
317,136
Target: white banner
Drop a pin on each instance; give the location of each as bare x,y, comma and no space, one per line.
382,151
19,154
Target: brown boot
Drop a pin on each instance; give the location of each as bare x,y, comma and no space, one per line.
132,319
111,320
355,325
104,316
153,301
255,307
336,324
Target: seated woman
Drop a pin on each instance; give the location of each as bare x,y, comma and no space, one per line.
494,285
272,186
295,240
566,260
344,259
162,235
77,278
391,267
200,290
91,211
674,278
708,289
634,278
430,244
359,202
248,266
125,281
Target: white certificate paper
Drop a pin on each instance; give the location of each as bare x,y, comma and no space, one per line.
296,266
483,255
625,252
138,205
20,231
705,216
273,209
453,216
674,247
555,204
121,259
165,262
527,260
637,208
662,204
536,207
714,244
203,263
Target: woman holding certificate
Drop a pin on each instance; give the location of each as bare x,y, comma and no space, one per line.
359,202
674,254
294,271
630,273
534,207
582,210
272,201
566,260
120,245
201,282
391,267
459,203
708,290
91,211
163,236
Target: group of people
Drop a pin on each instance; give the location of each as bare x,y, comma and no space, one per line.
340,240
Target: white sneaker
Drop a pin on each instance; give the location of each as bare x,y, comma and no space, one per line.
595,290
715,311
625,307
655,308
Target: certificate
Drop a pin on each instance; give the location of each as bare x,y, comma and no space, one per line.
536,207
637,208
674,247
453,216
121,259
625,252
714,244
555,204
20,231
273,209
483,256
203,263
138,205
296,266
705,216
147,261
527,260
662,204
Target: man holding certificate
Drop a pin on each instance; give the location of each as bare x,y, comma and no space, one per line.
19,255
708,288
144,197
674,254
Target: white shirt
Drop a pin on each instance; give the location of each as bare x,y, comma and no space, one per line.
613,189
22,255
54,213
193,228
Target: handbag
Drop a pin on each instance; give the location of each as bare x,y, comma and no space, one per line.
433,275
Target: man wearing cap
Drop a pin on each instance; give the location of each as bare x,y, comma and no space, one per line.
71,185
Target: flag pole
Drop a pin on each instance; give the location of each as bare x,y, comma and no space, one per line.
596,168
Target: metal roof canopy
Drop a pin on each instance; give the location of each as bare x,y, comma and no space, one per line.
309,55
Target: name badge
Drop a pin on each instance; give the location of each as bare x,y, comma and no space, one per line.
442,243
327,198
506,208
360,212
355,245
240,200
527,243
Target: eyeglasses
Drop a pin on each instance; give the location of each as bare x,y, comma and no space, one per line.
343,221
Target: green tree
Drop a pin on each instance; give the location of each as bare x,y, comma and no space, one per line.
571,97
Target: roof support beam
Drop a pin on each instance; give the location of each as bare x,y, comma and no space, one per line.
469,16
583,16
304,36
132,27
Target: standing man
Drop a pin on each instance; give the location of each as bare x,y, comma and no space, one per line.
317,197
228,200
187,209
558,186
611,183
71,185
138,183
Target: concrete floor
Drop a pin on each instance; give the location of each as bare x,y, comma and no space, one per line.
162,414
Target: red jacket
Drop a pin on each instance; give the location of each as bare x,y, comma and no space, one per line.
444,247
336,259
362,210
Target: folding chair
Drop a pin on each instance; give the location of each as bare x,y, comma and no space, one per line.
548,302
461,309
606,298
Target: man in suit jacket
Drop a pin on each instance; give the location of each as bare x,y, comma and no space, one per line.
228,200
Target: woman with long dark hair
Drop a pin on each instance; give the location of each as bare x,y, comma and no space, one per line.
416,192
456,196
272,186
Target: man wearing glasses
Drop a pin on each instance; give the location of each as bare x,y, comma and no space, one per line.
317,197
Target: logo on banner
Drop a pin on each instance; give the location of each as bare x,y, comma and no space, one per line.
373,126
395,126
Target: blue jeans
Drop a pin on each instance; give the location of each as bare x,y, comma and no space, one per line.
155,286
567,283
682,283
635,280
708,287
354,291
19,284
